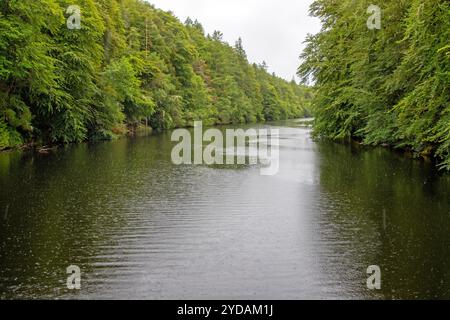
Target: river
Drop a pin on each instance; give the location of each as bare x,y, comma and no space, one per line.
140,227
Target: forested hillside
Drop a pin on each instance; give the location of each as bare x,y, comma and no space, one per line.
383,87
128,64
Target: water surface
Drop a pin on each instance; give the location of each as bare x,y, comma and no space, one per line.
140,227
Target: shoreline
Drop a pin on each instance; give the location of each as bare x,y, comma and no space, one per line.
144,130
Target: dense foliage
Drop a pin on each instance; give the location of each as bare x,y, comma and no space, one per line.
383,87
130,63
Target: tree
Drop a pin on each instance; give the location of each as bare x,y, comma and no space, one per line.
387,86
128,64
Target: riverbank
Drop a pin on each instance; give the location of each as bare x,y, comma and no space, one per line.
45,148
143,130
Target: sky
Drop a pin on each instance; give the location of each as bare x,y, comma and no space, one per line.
271,30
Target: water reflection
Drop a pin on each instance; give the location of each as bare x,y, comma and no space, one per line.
140,227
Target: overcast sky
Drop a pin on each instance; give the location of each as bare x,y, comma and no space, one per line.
271,30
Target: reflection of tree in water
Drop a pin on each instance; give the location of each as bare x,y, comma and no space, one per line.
59,206
391,211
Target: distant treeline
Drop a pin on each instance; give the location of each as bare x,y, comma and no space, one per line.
128,64
387,86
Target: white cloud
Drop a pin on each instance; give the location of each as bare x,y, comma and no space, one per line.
271,30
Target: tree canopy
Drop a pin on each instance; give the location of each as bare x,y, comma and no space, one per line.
387,86
127,63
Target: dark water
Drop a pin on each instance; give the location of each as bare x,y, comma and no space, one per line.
140,227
